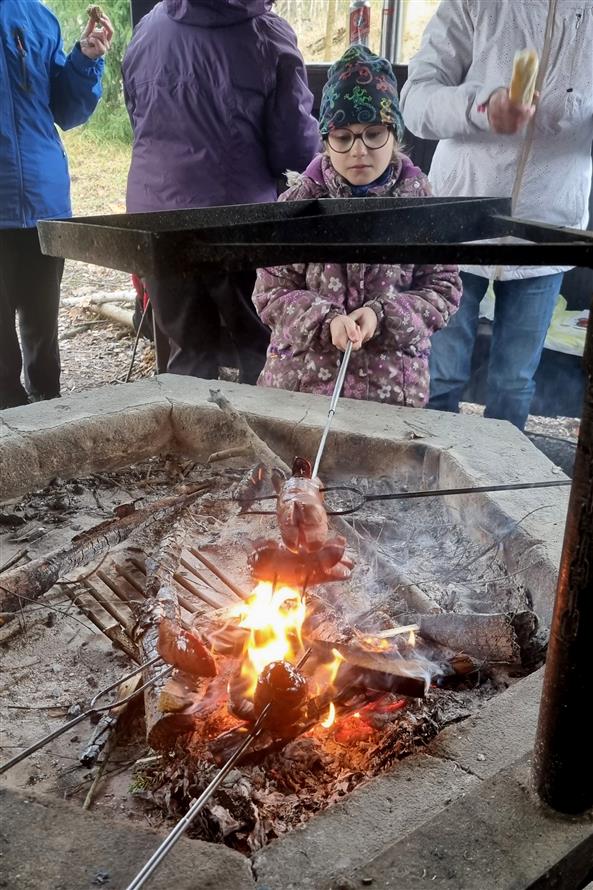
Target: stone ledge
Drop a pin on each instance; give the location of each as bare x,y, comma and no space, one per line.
71,847
499,837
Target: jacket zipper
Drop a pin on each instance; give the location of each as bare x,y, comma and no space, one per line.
18,151
19,39
579,16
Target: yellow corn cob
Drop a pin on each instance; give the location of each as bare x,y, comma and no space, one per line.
522,86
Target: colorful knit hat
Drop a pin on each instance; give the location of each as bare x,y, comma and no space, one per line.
361,89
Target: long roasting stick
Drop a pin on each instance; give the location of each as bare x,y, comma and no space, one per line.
332,407
198,804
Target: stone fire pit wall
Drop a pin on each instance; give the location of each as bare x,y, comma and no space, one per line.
113,427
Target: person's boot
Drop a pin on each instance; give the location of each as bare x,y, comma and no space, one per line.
13,399
40,397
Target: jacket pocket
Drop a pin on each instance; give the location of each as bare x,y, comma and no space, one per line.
21,50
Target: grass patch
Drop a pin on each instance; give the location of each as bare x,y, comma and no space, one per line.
98,173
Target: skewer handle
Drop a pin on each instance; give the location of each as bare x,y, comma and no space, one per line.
332,407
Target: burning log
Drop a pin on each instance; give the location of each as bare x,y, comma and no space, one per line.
39,575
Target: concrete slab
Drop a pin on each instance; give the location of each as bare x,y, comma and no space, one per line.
113,426
352,831
75,850
497,838
500,733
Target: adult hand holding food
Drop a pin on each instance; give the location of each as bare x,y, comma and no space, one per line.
506,116
98,34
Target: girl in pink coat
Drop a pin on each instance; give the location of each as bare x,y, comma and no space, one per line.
388,312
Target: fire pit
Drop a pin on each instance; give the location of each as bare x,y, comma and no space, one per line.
464,576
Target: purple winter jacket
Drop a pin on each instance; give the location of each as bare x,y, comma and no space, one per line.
217,95
411,302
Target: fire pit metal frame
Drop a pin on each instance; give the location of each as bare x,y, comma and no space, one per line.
392,230
364,230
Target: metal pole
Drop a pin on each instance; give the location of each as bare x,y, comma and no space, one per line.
391,30
332,406
562,769
184,823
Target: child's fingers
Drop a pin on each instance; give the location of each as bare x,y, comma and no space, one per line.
352,329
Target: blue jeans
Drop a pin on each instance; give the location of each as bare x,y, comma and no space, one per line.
522,314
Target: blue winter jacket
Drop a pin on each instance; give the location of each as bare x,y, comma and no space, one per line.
39,86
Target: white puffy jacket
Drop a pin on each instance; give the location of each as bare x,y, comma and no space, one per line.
466,53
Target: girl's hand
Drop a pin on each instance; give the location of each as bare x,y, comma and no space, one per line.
96,42
343,329
366,320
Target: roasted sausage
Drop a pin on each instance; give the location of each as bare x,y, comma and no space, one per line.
184,650
285,688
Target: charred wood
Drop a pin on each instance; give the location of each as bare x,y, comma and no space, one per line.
39,575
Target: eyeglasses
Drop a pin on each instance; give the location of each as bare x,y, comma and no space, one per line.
343,139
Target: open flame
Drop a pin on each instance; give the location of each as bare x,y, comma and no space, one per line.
274,616
331,716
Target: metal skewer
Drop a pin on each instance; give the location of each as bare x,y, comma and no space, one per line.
332,406
409,495
90,712
198,804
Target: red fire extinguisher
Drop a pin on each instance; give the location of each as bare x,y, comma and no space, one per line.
360,21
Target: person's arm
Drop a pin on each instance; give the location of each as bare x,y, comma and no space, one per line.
75,85
291,131
412,315
437,101
298,317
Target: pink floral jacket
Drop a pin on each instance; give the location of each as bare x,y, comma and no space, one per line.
411,302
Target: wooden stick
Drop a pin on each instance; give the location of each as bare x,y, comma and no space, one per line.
185,562
132,581
120,594
112,632
237,451
13,560
219,574
125,619
195,591
245,432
